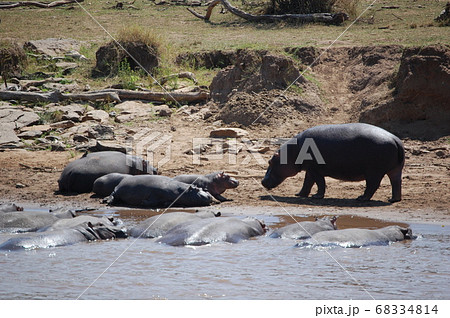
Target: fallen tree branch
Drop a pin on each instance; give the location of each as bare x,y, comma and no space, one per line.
55,96
330,18
108,95
10,5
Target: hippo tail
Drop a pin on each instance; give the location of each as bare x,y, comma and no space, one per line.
400,151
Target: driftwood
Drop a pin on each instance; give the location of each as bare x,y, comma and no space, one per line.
108,95
330,18
55,96
10,5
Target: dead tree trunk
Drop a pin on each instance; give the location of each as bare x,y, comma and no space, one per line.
10,5
329,18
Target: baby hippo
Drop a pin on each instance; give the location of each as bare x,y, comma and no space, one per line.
215,183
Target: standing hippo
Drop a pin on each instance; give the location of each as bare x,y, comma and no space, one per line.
350,152
157,192
359,237
83,232
212,230
79,175
158,225
303,230
105,185
215,183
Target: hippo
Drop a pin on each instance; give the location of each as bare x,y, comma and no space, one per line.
215,183
79,175
73,222
28,221
303,230
105,185
356,237
350,152
157,192
83,232
210,230
158,225
10,207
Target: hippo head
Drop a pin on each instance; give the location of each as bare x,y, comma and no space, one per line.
226,181
328,220
106,232
140,166
278,171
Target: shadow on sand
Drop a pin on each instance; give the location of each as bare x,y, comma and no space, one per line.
324,202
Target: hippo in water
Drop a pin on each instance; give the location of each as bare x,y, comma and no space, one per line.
158,225
27,221
303,230
157,192
210,230
82,232
10,207
215,183
350,152
79,175
105,185
359,237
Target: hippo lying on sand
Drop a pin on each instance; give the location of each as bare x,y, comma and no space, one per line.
211,230
157,192
66,233
350,152
79,175
303,230
215,183
158,225
105,185
359,237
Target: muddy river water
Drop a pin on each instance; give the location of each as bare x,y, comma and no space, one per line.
261,268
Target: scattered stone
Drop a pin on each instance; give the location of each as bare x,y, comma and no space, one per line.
105,146
228,133
162,110
67,67
20,118
101,132
62,124
441,154
8,137
97,115
41,128
260,149
129,110
20,185
53,47
80,138
30,134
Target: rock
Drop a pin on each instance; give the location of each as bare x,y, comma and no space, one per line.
105,146
7,135
110,56
80,138
18,117
96,115
41,128
163,110
73,112
53,47
101,132
30,134
129,110
20,185
228,133
62,87
62,124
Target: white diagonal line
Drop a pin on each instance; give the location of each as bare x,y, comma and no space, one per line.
315,60
329,254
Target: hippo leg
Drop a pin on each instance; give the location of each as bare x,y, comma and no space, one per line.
220,198
311,178
307,185
372,184
395,177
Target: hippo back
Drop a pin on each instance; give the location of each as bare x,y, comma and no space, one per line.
306,229
25,221
105,185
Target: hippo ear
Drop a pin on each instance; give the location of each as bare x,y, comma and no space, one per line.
316,218
333,221
90,225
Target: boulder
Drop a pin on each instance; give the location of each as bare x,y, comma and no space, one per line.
96,115
228,133
53,47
